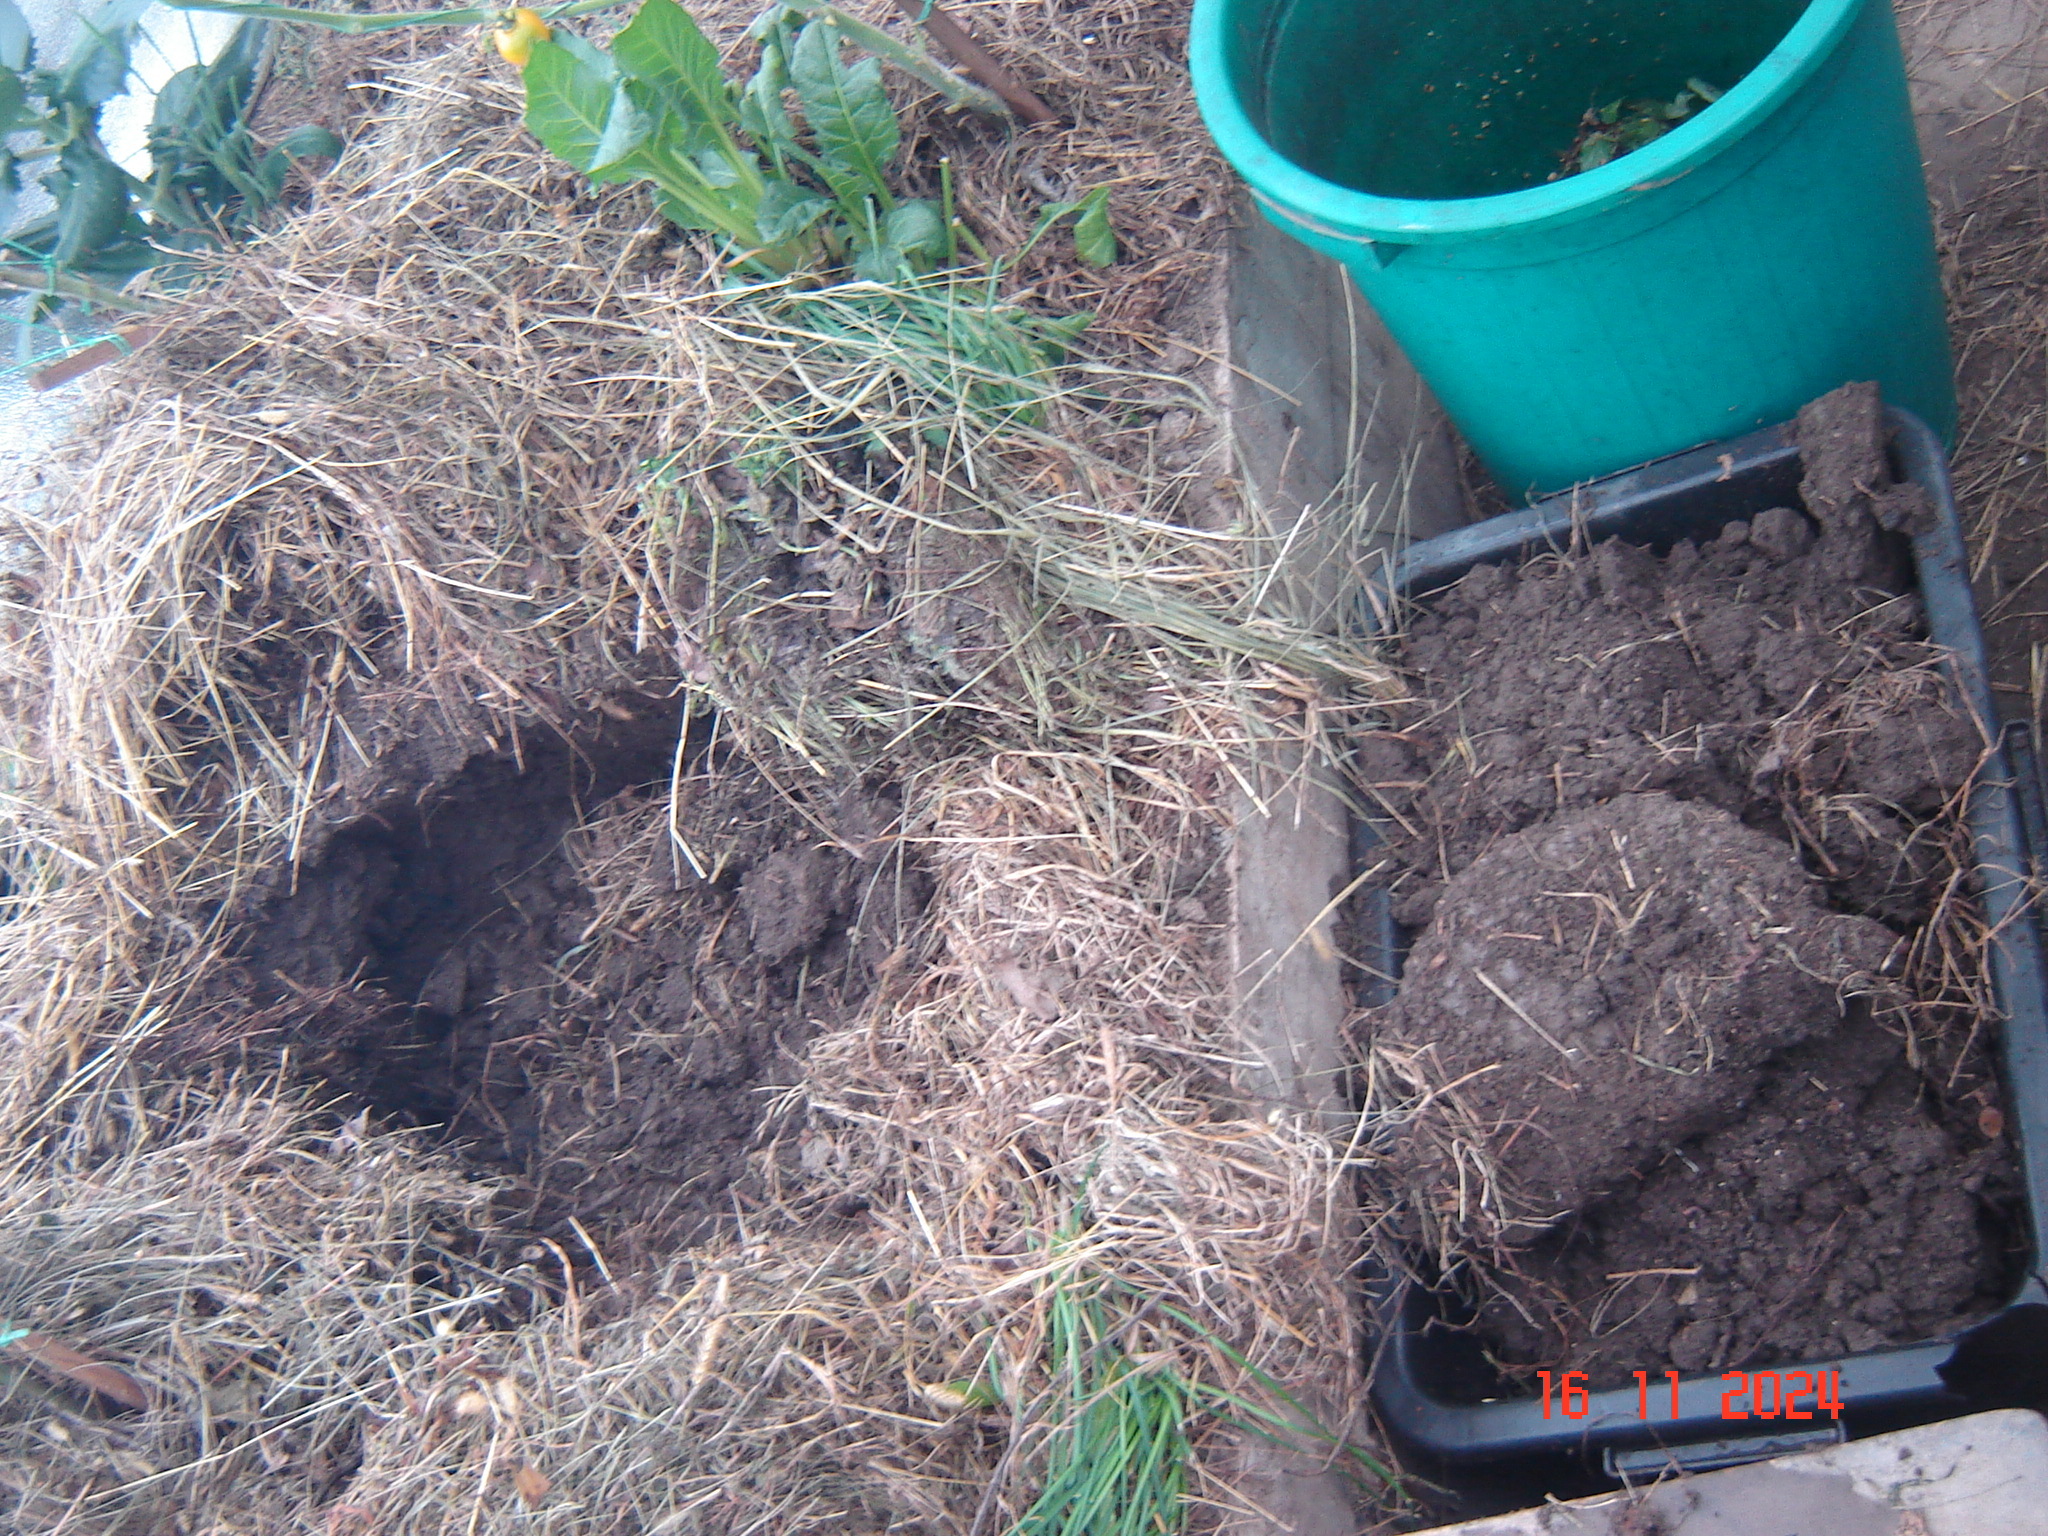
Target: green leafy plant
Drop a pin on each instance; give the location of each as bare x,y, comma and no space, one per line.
1094,236
210,179
1627,123
789,190
786,191
209,175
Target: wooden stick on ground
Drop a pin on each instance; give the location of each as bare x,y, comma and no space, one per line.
130,338
977,60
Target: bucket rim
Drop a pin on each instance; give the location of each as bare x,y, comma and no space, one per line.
1298,196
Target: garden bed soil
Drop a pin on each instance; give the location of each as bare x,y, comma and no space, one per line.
513,953
1696,1033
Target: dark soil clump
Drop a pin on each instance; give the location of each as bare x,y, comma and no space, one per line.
1694,1077
1619,974
1833,1214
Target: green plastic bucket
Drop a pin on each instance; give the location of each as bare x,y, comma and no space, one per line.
1764,251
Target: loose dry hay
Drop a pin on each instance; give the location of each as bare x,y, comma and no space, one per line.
1942,999
1996,255
1069,1037
373,504
270,1276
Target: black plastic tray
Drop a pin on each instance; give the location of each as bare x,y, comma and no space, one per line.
1691,496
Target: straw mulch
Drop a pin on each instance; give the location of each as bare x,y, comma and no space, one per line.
1983,122
463,456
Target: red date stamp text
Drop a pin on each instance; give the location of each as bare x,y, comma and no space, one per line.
1748,1394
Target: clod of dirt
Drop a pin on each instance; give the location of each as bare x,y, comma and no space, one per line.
1747,672
1831,1213
1600,988
1841,449
791,897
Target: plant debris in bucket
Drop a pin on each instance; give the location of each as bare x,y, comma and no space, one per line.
1627,123
1690,1064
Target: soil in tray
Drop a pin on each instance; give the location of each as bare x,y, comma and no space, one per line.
1691,1063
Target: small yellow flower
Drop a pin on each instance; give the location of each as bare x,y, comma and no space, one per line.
516,41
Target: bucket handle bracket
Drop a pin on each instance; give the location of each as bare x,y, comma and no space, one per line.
1380,253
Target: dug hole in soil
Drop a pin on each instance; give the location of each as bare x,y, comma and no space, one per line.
1691,1061
507,947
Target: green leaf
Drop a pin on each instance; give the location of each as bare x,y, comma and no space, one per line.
762,112
976,1392
98,67
1094,236
270,175
309,141
585,52
917,229
663,46
13,100
568,101
1061,333
768,23
882,263
305,142
231,77
714,166
687,215
177,106
627,127
10,186
851,120
787,210
92,209
95,74
17,43
1633,135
